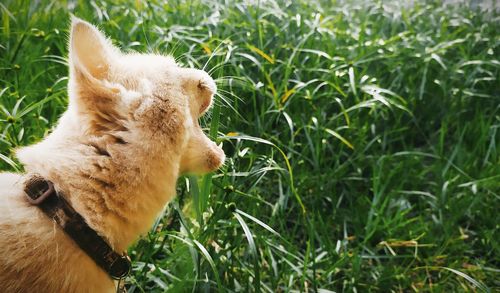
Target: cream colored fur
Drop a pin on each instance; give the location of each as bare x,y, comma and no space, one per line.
130,130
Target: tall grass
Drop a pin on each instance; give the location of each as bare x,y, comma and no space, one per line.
362,139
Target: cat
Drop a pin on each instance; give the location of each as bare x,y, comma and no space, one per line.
130,130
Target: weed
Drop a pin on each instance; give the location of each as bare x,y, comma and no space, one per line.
362,139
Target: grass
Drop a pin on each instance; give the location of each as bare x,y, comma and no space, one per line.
362,139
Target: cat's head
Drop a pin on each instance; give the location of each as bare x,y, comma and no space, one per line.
148,95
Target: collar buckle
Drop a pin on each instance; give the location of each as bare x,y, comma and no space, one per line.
38,190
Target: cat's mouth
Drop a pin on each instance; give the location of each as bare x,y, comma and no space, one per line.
201,155
215,158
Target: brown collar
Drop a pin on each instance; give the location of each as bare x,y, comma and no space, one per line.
41,192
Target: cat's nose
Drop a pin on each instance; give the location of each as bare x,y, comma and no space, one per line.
198,80
207,85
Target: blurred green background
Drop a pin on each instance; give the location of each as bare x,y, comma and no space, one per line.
362,139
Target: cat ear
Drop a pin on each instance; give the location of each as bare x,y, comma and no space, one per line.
91,93
90,52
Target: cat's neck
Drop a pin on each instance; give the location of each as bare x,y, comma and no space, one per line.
118,187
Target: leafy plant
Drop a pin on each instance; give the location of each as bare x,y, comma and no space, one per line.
362,139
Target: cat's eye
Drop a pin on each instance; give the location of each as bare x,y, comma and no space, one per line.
204,106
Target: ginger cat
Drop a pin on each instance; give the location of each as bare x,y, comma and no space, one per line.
130,129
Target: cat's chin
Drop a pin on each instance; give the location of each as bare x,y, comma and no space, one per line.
208,161
215,158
